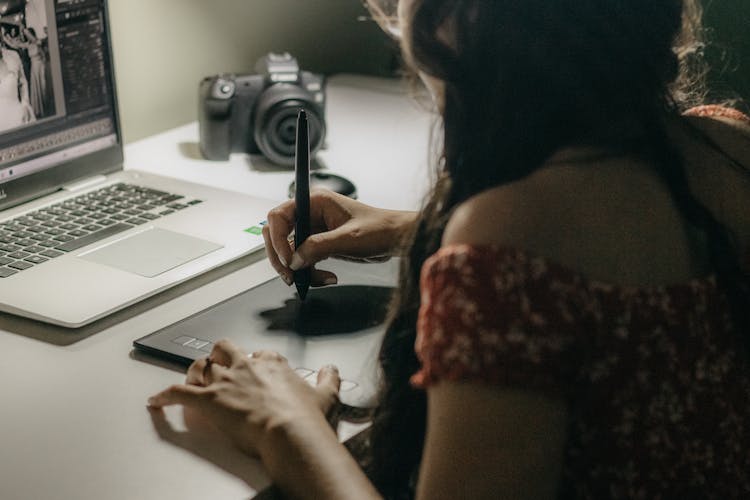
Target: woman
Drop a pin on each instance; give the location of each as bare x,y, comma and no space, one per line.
38,69
14,91
573,316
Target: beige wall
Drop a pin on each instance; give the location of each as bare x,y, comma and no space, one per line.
162,48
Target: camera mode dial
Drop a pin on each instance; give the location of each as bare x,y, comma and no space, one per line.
224,87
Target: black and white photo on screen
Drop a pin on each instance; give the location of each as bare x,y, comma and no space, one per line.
26,93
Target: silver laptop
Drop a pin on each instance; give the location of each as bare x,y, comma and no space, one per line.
79,237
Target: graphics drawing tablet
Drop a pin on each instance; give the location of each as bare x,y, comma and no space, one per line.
341,325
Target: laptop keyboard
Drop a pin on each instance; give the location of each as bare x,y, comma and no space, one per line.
37,237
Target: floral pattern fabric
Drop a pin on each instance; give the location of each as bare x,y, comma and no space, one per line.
714,110
656,378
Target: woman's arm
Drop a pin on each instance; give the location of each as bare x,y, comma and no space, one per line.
15,64
30,37
23,86
23,90
305,460
488,442
342,227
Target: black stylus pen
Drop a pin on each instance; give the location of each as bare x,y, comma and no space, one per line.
302,198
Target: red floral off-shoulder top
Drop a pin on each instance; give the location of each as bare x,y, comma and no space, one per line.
657,388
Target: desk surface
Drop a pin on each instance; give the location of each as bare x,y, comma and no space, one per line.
73,418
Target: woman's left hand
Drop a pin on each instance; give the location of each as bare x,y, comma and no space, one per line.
249,398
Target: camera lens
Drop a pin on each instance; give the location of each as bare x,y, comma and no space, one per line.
281,130
287,130
276,122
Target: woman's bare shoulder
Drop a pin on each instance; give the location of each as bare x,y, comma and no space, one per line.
729,130
530,214
499,215
718,164
596,219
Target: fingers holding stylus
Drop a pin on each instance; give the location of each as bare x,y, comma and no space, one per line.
321,277
277,230
282,255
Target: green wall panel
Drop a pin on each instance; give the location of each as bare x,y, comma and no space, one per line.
728,22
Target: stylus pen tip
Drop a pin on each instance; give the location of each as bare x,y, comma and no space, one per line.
301,290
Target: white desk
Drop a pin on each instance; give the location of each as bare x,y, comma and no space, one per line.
73,418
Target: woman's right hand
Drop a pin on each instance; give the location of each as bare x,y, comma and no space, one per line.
341,227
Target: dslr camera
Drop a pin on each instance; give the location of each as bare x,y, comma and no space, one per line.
257,113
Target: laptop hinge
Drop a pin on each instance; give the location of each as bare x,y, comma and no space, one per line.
85,183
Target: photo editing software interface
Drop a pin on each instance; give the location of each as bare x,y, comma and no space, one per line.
56,97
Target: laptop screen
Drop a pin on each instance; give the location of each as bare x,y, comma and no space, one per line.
57,100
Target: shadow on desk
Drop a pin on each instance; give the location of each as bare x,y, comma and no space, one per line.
206,442
190,150
61,336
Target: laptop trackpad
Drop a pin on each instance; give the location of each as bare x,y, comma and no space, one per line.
151,252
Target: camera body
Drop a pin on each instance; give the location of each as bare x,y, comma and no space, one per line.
257,113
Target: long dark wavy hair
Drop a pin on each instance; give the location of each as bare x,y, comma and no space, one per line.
523,79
